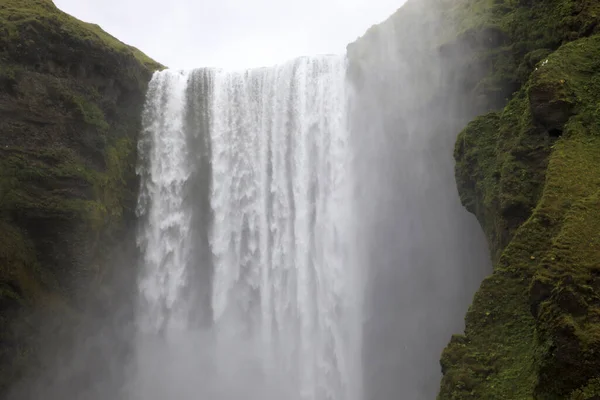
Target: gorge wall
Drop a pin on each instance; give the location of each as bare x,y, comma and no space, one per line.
529,172
70,106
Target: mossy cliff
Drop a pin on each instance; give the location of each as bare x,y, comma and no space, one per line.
70,105
529,169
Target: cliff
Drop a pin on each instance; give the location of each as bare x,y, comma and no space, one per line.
530,172
70,104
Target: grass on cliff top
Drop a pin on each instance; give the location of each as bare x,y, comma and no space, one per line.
15,12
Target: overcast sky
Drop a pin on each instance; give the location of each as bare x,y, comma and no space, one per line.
232,33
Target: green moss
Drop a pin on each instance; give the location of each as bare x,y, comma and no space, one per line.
531,174
113,184
501,159
589,392
54,187
55,182
35,15
575,70
495,358
565,288
71,98
91,113
50,182
511,36
477,170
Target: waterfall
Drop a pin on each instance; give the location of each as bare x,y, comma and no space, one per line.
248,285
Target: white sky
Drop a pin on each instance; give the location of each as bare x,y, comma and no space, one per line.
232,33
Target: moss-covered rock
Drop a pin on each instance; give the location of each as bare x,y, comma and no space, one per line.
511,37
531,174
70,104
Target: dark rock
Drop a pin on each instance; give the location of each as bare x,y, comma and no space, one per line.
71,98
551,106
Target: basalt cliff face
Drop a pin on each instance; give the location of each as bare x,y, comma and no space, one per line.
71,98
528,168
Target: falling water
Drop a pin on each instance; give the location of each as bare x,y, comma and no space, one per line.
247,236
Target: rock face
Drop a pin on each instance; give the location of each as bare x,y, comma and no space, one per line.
530,173
70,103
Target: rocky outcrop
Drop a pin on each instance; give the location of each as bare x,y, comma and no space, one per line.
70,103
529,172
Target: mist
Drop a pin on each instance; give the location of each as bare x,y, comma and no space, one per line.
193,365
298,234
423,254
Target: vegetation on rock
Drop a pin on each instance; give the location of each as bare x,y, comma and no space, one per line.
70,105
530,172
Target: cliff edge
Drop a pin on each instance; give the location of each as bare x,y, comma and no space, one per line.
71,98
530,172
